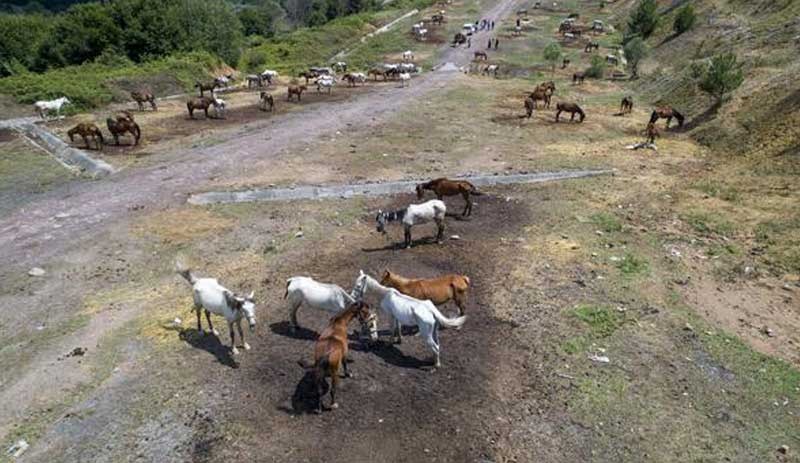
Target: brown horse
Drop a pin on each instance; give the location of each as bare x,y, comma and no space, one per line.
591,46
445,187
86,130
202,102
564,63
578,77
144,97
626,106
652,132
375,72
265,101
123,123
330,351
308,75
437,290
203,86
437,19
530,105
571,108
540,94
480,54
666,112
295,90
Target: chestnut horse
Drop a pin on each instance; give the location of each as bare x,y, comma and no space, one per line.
437,290
86,130
121,124
330,351
144,97
570,108
626,106
445,187
202,102
652,132
266,100
203,86
666,112
295,90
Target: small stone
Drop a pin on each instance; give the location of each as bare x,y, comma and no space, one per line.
18,448
455,237
688,327
36,272
768,331
599,358
784,449
594,254
598,233
299,234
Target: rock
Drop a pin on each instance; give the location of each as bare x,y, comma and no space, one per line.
77,352
177,321
18,448
688,327
455,237
36,272
599,358
614,259
768,331
299,234
598,232
784,449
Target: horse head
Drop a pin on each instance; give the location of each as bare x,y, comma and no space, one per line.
368,320
381,220
420,190
245,305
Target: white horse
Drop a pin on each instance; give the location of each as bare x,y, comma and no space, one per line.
326,81
490,69
405,79
408,55
219,106
43,107
406,311
269,75
433,210
340,66
214,298
322,296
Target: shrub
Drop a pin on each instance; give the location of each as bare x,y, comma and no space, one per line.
644,19
635,51
597,69
684,20
723,75
552,54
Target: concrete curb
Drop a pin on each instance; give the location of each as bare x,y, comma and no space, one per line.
68,156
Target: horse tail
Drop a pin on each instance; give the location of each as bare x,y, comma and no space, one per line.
678,116
654,116
444,321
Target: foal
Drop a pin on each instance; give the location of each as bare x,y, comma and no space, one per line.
666,112
438,290
295,90
626,106
445,187
86,130
330,351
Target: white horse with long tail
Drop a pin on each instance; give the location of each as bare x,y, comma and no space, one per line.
406,311
43,107
433,210
322,296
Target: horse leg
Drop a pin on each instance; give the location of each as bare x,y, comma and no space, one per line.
210,326
440,231
459,299
571,117
558,113
334,383
432,340
85,140
234,350
467,204
199,326
245,345
398,331
347,373
669,119
407,235
293,315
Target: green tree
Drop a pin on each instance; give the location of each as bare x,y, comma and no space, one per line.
597,68
552,53
635,51
257,21
22,35
210,25
724,75
684,20
644,19
80,35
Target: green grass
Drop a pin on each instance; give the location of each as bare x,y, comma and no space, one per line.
717,189
602,321
709,224
782,240
606,222
632,265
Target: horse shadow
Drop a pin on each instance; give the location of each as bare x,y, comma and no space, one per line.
392,355
399,246
210,343
306,397
283,328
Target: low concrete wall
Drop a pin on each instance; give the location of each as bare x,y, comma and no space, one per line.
67,155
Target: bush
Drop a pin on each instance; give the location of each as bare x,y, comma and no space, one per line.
21,37
723,75
684,20
597,69
552,53
635,51
644,19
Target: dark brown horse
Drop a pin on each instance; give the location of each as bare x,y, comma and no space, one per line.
144,97
202,102
480,54
578,77
666,112
375,72
564,63
626,106
571,108
652,132
591,46
459,39
121,124
445,187
530,105
330,351
295,90
437,19
86,130
203,86
266,100
540,94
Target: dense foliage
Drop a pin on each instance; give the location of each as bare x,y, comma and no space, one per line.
684,20
597,68
635,51
552,54
643,20
723,75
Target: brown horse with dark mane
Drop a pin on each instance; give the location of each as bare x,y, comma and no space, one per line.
121,124
144,97
438,290
445,187
570,108
203,86
266,100
666,112
202,102
578,77
330,351
626,106
295,90
86,130
652,132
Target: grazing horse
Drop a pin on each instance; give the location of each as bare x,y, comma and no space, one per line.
330,351
391,73
445,187
321,296
353,78
626,106
578,77
459,39
414,214
202,102
652,132
86,130
480,54
269,75
530,105
254,80
144,97
407,311
591,46
203,86
212,297
666,112
540,94
308,75
438,290
571,108
43,107
266,100
295,90
123,123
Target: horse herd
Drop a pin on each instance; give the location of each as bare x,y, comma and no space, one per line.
404,301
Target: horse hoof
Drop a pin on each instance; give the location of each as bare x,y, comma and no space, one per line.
235,351
246,346
334,406
318,411
215,332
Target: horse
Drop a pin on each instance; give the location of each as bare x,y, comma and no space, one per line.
540,94
254,80
571,108
43,107
212,297
405,79
220,106
408,55
490,69
340,66
320,296
375,72
564,63
407,311
612,60
437,19
202,102
591,46
578,77
144,97
325,81
122,124
530,105
446,187
459,39
666,112
203,86
308,75
391,73
354,78
269,75
415,214
652,132
439,290
265,99
330,351
480,54
626,106
86,130
295,90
